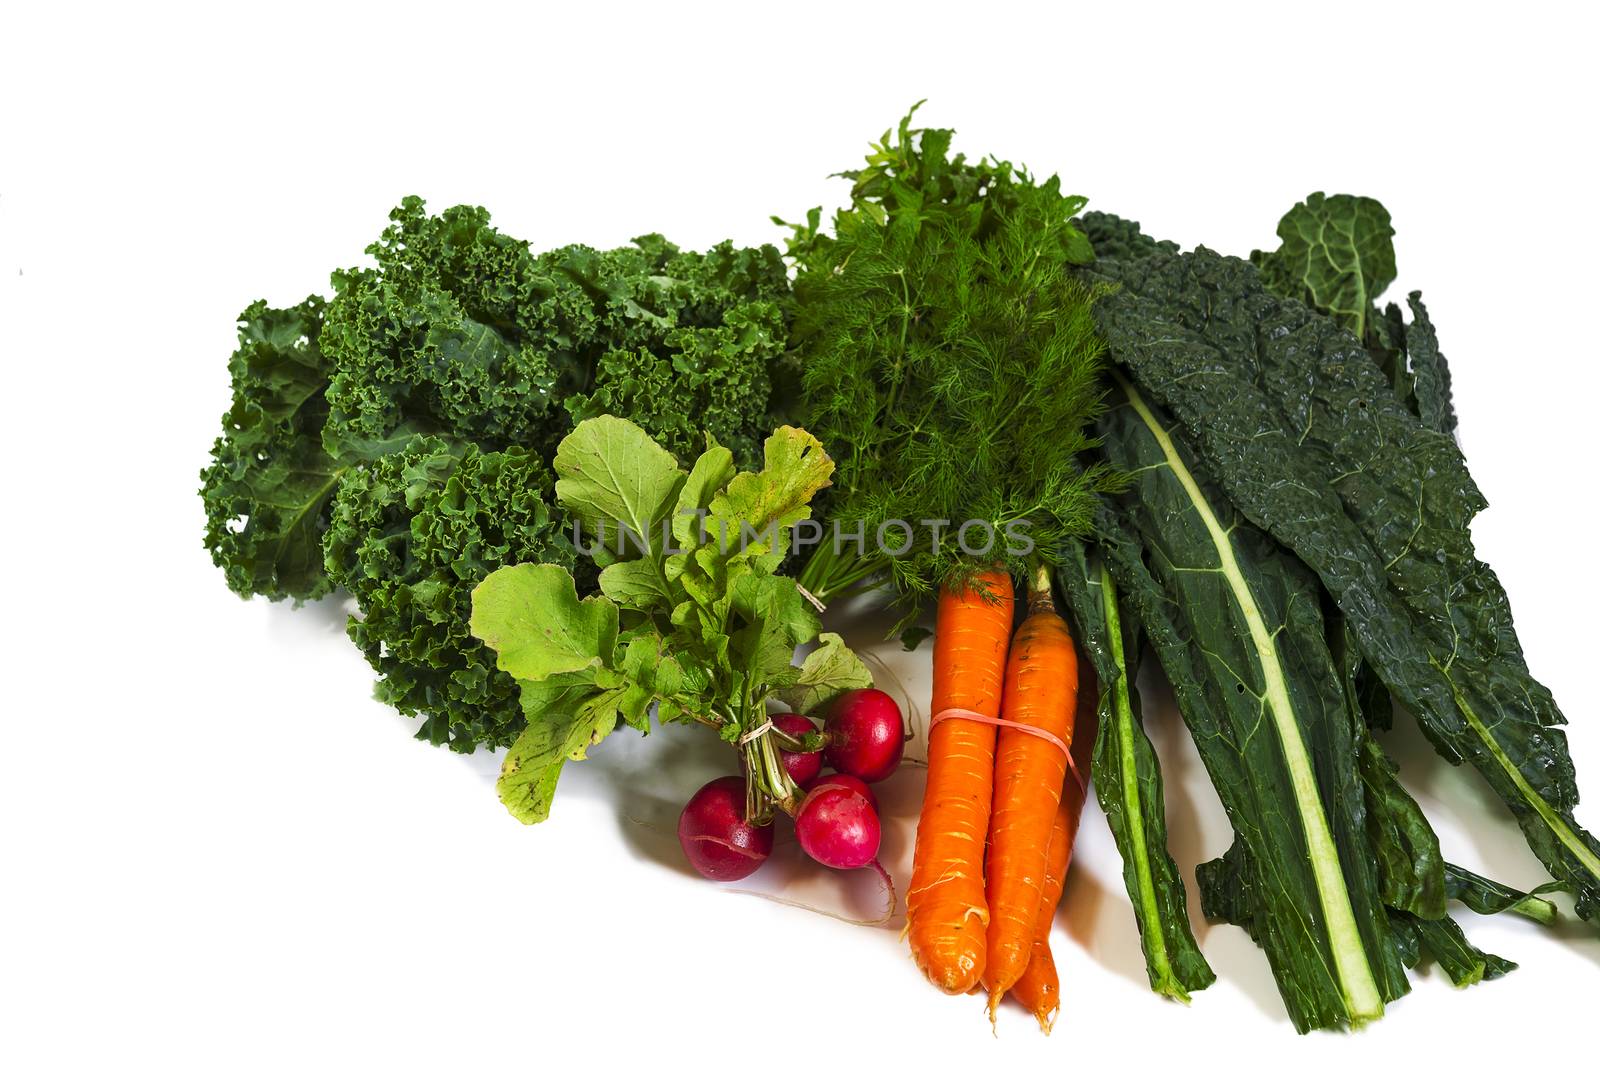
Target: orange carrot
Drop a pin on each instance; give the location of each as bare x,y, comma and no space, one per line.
1041,690
945,909
1039,990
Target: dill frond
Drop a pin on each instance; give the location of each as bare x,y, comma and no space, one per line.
950,360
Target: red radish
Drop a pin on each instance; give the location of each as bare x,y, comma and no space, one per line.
837,826
855,784
802,766
715,837
866,735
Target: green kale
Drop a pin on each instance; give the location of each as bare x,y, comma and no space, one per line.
1309,440
461,358
1337,257
1237,625
1119,238
463,332
410,535
1127,778
269,487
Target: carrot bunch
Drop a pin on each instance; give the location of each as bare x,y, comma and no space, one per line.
996,829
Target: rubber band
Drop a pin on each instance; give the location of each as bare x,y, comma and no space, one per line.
813,600
1032,730
755,733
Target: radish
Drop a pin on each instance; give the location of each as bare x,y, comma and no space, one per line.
838,827
855,784
802,766
866,735
715,837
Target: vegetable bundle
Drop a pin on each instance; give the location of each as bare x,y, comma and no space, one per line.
524,468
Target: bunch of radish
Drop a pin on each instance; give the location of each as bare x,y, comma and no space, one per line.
836,822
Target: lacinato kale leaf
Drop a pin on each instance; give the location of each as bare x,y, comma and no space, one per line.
1127,778
1238,628
1337,255
1307,438
1482,895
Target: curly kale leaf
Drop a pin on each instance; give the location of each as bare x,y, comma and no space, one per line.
463,332
419,383
707,380
438,338
410,536
269,487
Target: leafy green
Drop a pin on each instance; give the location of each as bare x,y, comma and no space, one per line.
1482,895
827,671
1238,628
1447,943
408,536
560,650
692,618
950,362
461,330
460,344
1305,435
1337,255
1117,238
1430,373
533,619
1127,781
269,487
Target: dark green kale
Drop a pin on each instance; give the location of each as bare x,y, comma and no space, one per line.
1308,438
410,536
463,332
1337,257
447,372
1118,238
1127,776
269,485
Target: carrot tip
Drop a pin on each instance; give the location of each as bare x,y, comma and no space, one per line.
1047,1019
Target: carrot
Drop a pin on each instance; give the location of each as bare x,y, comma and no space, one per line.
945,909
1041,690
1039,989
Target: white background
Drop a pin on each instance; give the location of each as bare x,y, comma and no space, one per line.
214,846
